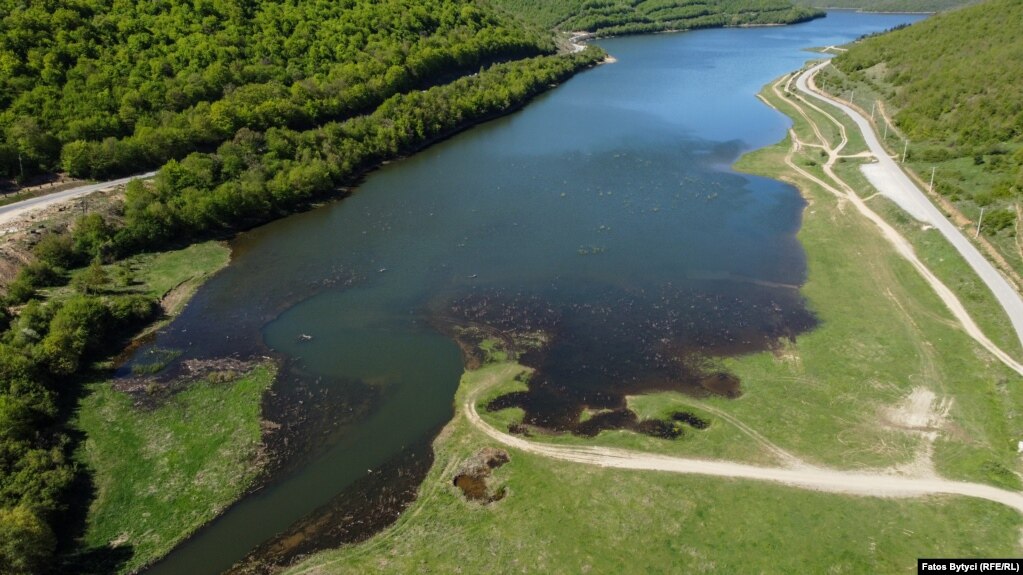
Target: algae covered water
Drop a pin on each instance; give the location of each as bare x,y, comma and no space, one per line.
604,214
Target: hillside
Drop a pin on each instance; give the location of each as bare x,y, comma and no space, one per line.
888,5
164,78
98,88
946,81
948,75
608,17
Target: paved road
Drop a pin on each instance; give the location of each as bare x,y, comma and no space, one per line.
891,181
12,211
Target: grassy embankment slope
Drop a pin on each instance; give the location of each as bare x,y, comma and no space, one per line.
888,5
637,16
824,398
937,353
949,85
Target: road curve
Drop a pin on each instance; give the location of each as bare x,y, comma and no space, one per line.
887,174
17,209
797,475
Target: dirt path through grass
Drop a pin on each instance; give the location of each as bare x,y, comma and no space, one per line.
883,483
846,194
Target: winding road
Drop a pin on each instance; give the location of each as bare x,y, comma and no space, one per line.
891,181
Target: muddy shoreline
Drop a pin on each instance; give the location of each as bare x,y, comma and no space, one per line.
588,357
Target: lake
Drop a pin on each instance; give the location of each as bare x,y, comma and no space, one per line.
603,218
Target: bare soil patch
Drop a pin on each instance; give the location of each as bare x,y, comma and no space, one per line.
473,479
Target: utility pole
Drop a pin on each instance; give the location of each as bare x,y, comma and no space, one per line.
904,150
885,137
872,106
852,97
933,168
979,220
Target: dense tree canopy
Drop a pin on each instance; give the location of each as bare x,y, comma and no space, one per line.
607,17
120,85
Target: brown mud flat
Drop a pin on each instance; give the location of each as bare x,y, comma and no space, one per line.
360,511
474,475
305,414
609,342
150,391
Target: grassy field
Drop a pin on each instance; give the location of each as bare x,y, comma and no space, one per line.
162,473
566,518
162,272
943,259
824,398
907,338
883,333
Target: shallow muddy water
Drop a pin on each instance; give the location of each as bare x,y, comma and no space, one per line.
604,214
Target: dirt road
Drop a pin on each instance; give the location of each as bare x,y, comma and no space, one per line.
846,194
794,473
18,209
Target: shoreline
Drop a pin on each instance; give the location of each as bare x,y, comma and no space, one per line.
431,490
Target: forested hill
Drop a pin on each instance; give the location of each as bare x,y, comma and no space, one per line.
105,87
956,76
888,5
608,17
953,83
176,74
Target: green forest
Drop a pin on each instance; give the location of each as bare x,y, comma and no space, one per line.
888,5
251,110
611,17
100,88
952,81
